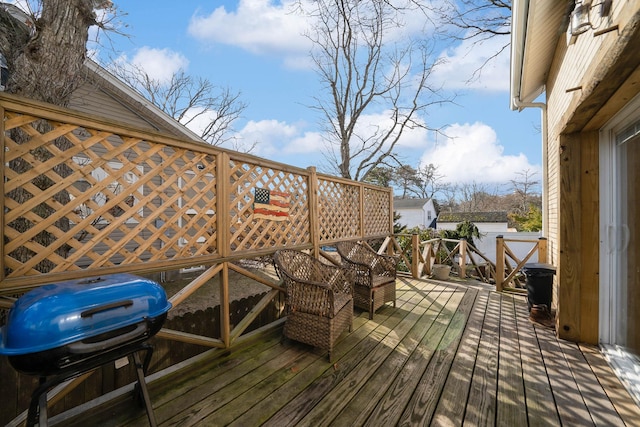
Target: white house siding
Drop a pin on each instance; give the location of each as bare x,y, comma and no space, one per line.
411,217
483,227
487,244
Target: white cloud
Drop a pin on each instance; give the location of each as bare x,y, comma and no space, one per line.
472,152
269,27
197,120
368,124
277,139
258,26
460,63
159,64
269,136
311,143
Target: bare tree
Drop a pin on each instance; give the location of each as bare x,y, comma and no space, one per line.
478,197
448,195
524,189
479,21
407,179
365,71
190,100
431,181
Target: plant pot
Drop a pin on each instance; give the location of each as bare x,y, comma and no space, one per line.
440,271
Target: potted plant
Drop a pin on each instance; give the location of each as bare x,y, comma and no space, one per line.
440,271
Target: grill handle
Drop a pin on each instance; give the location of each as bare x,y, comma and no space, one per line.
82,348
106,307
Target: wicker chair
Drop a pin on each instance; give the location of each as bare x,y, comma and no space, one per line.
319,299
375,275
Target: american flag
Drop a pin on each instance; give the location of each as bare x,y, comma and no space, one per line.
270,204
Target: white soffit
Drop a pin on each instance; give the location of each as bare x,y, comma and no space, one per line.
546,24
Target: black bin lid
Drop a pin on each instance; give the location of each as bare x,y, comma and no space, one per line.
535,268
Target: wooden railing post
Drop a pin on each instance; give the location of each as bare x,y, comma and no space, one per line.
361,227
499,263
462,260
224,245
415,256
542,250
314,210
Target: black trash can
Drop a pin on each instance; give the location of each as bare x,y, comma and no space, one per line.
539,284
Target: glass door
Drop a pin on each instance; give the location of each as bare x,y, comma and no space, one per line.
620,247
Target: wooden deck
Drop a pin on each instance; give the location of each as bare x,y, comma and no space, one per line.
447,355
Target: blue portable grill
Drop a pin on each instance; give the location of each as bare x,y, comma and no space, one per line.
62,330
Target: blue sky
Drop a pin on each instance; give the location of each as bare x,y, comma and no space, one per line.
256,47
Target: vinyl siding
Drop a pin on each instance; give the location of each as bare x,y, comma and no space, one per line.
91,99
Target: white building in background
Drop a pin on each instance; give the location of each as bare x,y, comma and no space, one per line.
486,222
491,225
416,212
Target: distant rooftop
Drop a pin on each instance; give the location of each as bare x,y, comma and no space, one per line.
458,217
409,203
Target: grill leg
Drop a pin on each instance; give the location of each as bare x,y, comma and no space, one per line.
42,407
140,368
37,414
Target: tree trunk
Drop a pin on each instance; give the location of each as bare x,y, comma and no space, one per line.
48,67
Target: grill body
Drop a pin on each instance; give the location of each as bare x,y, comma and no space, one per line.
61,330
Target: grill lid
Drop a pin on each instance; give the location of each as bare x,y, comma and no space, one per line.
57,314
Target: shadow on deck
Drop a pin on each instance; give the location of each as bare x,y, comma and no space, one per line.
449,354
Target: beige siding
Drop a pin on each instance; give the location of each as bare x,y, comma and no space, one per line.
574,85
91,99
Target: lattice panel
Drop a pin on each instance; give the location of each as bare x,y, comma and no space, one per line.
377,212
338,210
249,233
86,197
79,198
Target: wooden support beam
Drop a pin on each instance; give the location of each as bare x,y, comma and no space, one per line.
499,263
462,260
225,315
190,338
253,314
188,290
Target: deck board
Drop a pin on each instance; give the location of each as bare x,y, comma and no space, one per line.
599,406
481,405
538,398
510,410
569,402
447,355
445,336
452,403
362,404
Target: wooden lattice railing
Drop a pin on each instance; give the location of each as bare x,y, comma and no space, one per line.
83,196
